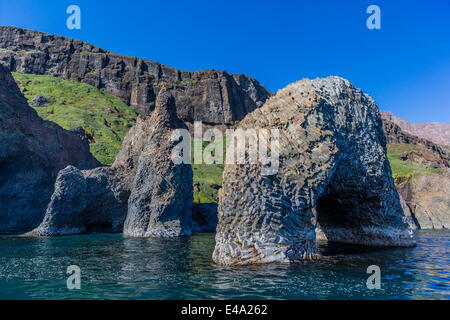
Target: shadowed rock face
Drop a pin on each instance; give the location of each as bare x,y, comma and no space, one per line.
86,201
32,151
143,186
214,97
334,181
204,217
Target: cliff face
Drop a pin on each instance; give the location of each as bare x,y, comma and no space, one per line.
428,200
32,151
334,180
214,97
434,131
430,154
427,196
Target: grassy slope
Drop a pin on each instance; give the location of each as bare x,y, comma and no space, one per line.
208,177
73,104
402,170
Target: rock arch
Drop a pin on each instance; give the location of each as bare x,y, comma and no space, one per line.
334,180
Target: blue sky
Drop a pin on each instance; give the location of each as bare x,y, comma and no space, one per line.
405,66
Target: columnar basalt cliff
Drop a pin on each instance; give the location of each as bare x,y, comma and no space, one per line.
143,186
334,180
32,151
214,97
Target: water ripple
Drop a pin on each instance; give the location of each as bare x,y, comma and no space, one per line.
114,267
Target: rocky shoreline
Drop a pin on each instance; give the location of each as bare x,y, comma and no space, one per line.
334,181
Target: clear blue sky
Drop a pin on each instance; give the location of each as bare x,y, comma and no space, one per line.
405,66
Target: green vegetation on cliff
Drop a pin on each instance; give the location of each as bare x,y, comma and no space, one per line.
406,170
207,178
104,117
207,181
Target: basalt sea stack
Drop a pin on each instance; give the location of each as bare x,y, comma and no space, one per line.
334,180
143,186
160,204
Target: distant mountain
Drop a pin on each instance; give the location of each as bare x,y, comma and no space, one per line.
436,132
214,97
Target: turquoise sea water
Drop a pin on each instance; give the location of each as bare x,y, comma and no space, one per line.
114,267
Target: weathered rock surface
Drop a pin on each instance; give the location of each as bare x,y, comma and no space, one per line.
160,204
39,101
334,180
86,201
214,97
428,200
143,186
65,213
32,151
436,132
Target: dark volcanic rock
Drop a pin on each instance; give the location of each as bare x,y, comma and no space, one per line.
86,201
161,193
32,151
39,101
204,217
143,186
65,213
210,96
334,180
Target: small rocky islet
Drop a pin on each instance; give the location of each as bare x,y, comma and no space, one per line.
334,182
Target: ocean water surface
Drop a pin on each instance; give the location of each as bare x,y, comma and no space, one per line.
115,267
